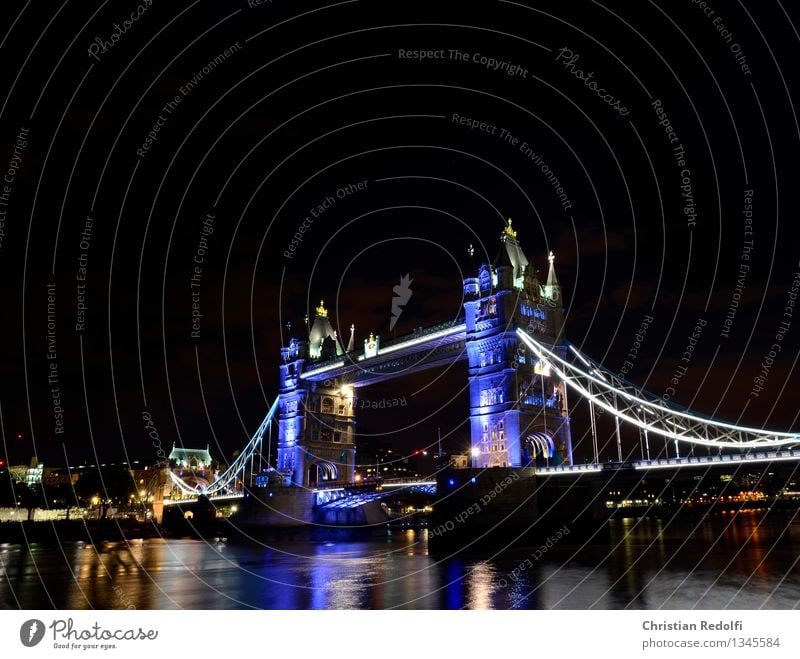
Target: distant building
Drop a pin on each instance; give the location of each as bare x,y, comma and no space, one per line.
192,459
193,467
30,474
376,458
459,461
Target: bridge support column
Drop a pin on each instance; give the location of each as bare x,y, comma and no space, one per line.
300,467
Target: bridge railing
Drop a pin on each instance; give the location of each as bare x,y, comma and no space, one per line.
353,355
420,332
725,458
566,469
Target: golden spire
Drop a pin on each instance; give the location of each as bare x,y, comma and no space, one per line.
322,312
509,231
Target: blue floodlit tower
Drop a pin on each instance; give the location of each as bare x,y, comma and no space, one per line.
316,420
518,410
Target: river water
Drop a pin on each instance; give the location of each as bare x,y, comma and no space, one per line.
748,561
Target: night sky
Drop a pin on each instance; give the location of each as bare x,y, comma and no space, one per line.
261,117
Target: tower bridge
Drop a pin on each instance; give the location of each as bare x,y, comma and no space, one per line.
519,370
511,396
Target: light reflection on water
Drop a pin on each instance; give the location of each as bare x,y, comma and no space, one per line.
643,564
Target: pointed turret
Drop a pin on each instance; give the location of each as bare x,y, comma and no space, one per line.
351,344
322,335
471,285
552,289
511,254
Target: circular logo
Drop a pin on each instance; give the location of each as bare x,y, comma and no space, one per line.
31,633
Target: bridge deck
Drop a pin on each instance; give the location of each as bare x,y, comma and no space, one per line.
672,463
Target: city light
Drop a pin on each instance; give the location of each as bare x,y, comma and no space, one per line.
476,452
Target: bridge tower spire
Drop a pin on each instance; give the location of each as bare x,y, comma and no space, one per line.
552,289
518,412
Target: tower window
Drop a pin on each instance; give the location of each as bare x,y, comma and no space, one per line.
327,406
542,368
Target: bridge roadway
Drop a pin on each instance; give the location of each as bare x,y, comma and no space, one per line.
728,459
357,494
438,345
353,495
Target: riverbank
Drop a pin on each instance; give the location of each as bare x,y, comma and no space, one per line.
73,530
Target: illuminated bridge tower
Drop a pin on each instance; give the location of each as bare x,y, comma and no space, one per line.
518,411
316,420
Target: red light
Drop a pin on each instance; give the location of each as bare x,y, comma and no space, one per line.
20,435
